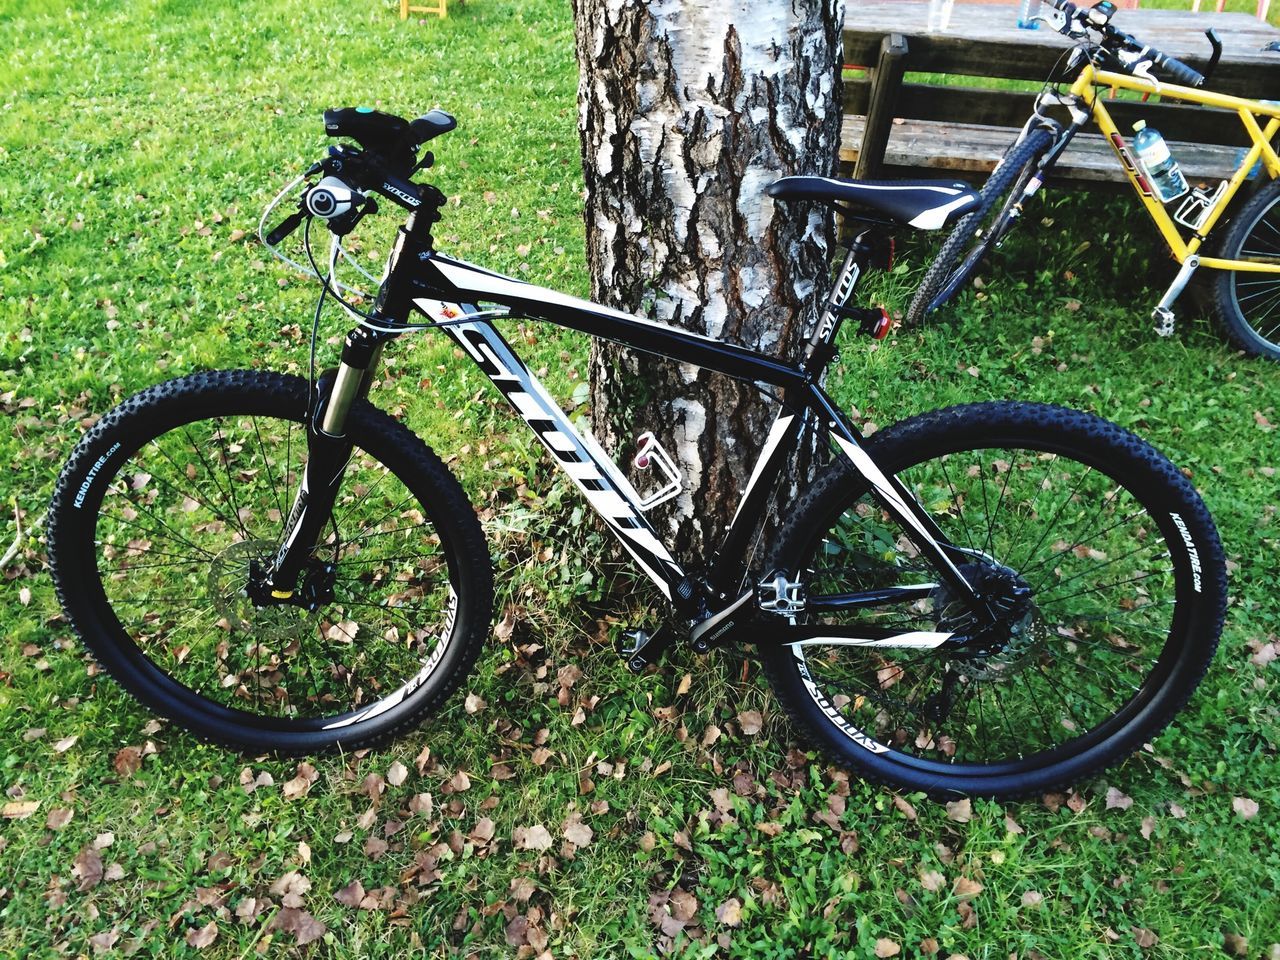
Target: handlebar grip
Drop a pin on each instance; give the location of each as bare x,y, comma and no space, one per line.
1178,71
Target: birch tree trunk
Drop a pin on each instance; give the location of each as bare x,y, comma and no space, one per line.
687,111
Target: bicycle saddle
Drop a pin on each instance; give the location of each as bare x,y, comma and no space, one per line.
926,204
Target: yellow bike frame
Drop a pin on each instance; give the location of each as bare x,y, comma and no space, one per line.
1086,88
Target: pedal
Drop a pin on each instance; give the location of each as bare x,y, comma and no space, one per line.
639,648
778,595
1164,319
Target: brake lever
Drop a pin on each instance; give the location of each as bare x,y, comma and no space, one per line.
285,227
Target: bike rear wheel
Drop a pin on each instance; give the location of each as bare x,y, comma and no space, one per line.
1101,561
174,497
1247,305
976,234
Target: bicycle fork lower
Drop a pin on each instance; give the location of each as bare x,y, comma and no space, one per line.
328,451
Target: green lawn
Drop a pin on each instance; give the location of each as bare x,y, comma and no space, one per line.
138,140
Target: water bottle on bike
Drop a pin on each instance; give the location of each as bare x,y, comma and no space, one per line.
1157,163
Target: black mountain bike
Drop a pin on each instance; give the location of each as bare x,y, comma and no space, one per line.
992,599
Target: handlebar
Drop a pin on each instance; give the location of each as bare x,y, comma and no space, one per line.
1130,51
384,164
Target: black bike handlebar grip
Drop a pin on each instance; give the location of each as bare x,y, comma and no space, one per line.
286,227
1178,71
431,124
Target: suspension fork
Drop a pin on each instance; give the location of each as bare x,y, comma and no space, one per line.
328,451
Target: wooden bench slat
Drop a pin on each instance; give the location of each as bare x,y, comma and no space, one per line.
937,148
1005,108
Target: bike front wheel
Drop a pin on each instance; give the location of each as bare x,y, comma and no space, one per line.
976,234
1247,304
1100,562
172,501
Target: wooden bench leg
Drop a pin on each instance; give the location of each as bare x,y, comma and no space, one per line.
886,81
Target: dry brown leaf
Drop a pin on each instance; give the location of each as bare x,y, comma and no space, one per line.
905,808
887,948
204,936
19,809
965,889
351,894
961,811
577,832
1032,899
683,904
397,774
1146,938
301,924
300,785
128,761
474,703
750,722
1246,808
1235,944
932,880
535,837
730,912
1117,800
65,744
58,818
87,867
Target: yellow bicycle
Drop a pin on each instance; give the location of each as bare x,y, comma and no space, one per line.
1246,286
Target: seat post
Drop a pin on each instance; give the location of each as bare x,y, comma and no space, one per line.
846,282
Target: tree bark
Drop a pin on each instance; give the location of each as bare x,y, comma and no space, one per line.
687,111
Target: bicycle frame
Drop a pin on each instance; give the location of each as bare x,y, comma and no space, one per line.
448,292
1085,87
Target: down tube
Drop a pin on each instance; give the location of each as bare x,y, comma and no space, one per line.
578,454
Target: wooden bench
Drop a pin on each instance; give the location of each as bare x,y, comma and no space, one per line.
897,126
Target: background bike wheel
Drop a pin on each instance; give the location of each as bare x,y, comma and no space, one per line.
1127,595
169,499
974,235
1247,305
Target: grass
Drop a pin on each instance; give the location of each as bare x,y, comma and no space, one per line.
134,139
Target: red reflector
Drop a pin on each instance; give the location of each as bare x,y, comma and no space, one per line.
884,323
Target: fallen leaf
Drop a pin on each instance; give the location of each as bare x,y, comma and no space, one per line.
1032,899
961,811
1245,807
887,948
577,832
300,785
397,774
351,894
88,868
965,888
932,880
128,761
1235,944
532,838
58,818
1117,800
906,809
19,809
474,703
300,923
751,722
65,744
204,936
730,912
1146,939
